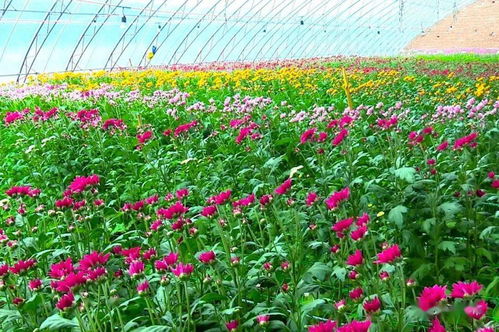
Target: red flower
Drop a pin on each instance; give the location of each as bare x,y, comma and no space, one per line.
148,254
284,187
35,284
465,140
443,146
4,270
65,202
71,281
93,260
22,266
263,319
265,199
477,311
207,257
355,259
362,220
143,138
175,210
355,326
181,193
23,191
373,305
184,128
80,183
495,184
328,326
245,201
333,201
166,262
311,198
389,255
136,268
114,124
431,297
436,326
463,289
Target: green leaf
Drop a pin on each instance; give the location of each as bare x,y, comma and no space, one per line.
414,314
56,322
340,273
450,209
153,328
396,215
119,228
447,246
406,173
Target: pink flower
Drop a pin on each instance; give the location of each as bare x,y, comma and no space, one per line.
150,253
181,193
265,199
431,297
340,304
11,117
308,135
143,138
65,302
114,124
328,326
477,311
463,289
35,284
157,224
209,211
183,270
61,269
383,275
358,233
93,260
267,266
311,198
465,140
355,259
184,128
436,326
23,191
245,201
363,219
443,146
340,137
263,319
486,329
334,249
355,326
143,287
491,175
284,187
342,225
22,266
72,280
65,202
356,293
232,325
80,183
373,305
333,201
166,262
173,211
389,255
495,184
207,257
220,198
136,268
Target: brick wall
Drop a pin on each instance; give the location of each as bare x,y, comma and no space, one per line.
475,28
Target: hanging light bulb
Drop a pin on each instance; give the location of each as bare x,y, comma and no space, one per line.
123,18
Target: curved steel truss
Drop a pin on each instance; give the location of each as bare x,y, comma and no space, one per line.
70,35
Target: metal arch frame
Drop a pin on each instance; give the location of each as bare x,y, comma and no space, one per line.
204,29
136,19
5,9
219,28
137,32
255,35
295,31
310,29
96,31
238,58
192,29
342,39
340,14
35,37
13,29
296,40
238,31
169,32
269,35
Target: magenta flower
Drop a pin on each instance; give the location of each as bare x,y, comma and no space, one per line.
443,146
308,135
22,266
355,259
355,326
389,255
436,326
284,187
328,326
143,287
340,137
220,198
245,201
477,311
136,268
232,325
431,297
356,293
207,257
183,270
61,269
463,289
358,233
342,225
336,198
311,198
65,302
263,319
465,141
81,183
373,305
35,284
209,210
23,191
93,260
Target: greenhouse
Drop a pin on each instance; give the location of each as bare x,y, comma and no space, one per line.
249,165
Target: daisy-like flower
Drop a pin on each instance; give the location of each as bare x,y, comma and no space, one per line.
136,268
65,302
183,270
431,297
356,293
477,311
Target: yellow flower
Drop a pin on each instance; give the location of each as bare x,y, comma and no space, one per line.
380,214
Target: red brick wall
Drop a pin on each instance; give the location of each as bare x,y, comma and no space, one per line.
475,28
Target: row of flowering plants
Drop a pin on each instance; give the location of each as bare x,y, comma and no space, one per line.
172,210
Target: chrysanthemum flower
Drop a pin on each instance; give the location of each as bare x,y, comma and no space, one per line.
328,326
431,297
477,311
355,259
389,255
464,289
